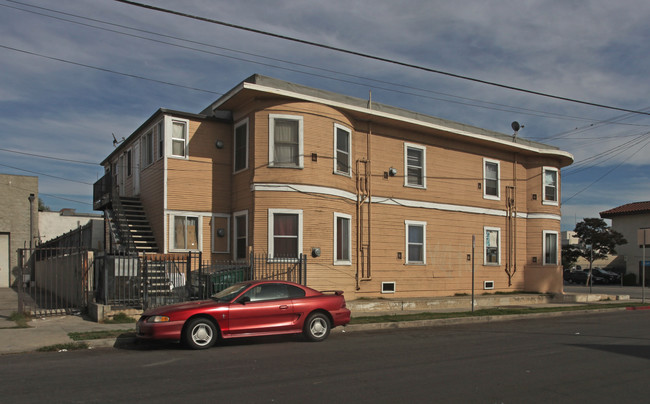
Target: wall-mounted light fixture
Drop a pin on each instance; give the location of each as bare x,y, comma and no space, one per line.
315,252
392,171
221,232
219,144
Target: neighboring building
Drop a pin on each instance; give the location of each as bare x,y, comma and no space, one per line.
383,200
18,194
627,220
54,224
610,262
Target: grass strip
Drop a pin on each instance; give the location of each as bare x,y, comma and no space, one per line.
90,335
497,311
21,319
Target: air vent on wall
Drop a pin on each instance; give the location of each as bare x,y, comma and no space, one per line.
388,287
488,285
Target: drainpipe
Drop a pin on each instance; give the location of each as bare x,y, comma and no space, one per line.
31,220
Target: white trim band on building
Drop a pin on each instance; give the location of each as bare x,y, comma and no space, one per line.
314,189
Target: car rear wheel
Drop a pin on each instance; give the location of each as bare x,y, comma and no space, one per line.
200,333
317,327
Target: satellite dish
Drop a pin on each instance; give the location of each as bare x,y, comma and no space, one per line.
515,126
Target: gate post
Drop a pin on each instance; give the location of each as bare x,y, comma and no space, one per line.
145,283
19,280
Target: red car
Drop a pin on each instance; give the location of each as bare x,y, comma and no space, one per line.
247,309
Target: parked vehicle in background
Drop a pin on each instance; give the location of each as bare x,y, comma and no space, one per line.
580,277
608,276
247,309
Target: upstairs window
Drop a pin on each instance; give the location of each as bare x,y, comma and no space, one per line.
285,141
179,138
492,253
342,141
147,149
550,186
129,163
161,139
491,179
414,166
241,146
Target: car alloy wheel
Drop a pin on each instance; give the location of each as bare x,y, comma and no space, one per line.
317,327
200,333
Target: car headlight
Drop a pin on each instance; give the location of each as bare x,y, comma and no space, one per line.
157,319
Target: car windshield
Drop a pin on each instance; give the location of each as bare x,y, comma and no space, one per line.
229,293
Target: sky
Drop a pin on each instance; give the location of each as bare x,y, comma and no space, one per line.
74,72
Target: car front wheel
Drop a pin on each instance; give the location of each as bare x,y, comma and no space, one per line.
200,333
317,327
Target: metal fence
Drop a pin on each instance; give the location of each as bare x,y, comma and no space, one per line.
54,281
150,280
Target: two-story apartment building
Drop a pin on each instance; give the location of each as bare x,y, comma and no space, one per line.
383,200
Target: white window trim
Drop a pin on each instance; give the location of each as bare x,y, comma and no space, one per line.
160,129
298,118
172,239
557,247
496,197
408,223
236,235
348,261
556,202
169,123
213,233
424,165
349,131
270,228
485,261
234,146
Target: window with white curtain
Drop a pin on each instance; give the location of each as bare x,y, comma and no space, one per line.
285,141
492,251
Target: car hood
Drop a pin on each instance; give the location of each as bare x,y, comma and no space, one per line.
197,304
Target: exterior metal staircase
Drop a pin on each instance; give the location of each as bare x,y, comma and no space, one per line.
130,230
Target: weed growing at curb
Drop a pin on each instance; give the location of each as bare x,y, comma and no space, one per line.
89,335
120,318
70,346
21,319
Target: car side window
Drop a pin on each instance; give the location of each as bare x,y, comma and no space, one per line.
295,292
268,291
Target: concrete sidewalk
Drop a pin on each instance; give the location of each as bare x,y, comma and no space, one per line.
48,331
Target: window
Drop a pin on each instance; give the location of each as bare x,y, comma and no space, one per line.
179,138
285,233
241,235
492,242
285,141
161,139
185,233
414,166
241,146
342,239
274,291
342,141
550,248
147,149
129,163
550,186
415,242
491,173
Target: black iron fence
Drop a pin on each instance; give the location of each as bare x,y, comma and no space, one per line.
150,280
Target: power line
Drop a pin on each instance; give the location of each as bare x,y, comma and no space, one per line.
499,106
378,58
47,157
46,175
106,70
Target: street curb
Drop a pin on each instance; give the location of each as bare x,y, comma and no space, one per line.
638,308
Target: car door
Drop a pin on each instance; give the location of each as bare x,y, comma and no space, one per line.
264,309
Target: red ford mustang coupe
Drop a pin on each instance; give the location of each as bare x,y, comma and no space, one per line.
247,309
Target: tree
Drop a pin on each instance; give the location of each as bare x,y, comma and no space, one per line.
570,254
42,207
597,240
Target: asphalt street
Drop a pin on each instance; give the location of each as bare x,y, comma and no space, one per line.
589,358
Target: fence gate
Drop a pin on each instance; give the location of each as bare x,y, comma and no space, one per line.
53,281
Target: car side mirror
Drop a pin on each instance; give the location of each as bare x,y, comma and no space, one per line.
244,300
